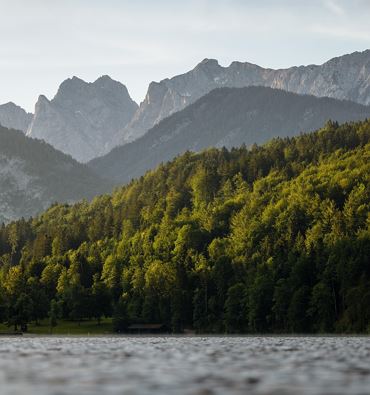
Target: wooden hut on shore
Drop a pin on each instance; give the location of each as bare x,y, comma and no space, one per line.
146,329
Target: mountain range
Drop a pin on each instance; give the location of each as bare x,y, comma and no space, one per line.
225,117
87,120
210,106
346,77
33,175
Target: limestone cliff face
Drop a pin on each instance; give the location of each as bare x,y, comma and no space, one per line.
345,77
14,117
83,119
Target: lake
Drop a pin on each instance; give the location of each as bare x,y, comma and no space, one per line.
184,365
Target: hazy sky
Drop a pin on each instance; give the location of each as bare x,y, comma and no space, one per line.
43,42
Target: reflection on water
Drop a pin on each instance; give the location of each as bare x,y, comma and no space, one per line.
184,365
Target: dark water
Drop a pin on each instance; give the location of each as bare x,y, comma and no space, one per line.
185,365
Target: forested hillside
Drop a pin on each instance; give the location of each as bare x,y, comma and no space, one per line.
33,175
268,239
227,117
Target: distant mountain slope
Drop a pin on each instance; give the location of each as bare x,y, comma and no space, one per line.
225,117
14,117
33,175
346,77
83,119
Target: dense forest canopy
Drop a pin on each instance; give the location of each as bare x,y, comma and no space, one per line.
268,239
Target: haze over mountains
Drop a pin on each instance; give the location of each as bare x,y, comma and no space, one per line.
87,120
33,175
225,117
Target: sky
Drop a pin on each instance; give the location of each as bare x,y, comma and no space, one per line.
43,42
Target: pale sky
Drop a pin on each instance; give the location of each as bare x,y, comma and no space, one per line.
43,42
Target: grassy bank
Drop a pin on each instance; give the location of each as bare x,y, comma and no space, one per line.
67,328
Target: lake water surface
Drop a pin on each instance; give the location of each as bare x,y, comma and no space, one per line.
184,365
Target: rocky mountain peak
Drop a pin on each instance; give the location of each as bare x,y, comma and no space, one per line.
71,84
14,117
156,91
209,68
42,104
105,80
83,119
42,100
10,105
208,63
